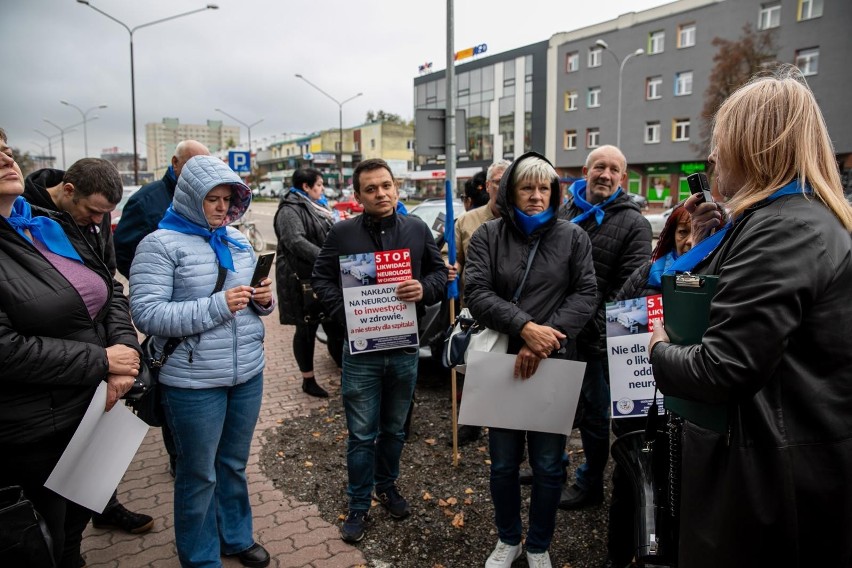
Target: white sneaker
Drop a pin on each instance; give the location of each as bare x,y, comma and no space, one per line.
539,560
503,555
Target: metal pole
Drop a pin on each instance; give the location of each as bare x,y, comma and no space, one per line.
449,186
248,127
62,137
132,76
83,114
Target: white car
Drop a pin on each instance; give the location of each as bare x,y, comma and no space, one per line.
658,221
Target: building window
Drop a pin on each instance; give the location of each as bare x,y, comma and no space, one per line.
372,143
570,100
680,130
809,9
652,133
656,42
769,16
572,62
569,140
595,56
653,88
593,137
807,60
594,98
685,35
683,83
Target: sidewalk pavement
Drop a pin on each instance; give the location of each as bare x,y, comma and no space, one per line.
292,531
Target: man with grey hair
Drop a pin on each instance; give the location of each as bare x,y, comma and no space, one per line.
146,207
621,242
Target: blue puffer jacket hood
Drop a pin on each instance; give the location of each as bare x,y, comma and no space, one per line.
198,177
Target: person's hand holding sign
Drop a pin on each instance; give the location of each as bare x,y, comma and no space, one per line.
410,291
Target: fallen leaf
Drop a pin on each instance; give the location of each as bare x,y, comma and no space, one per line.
487,462
449,512
280,421
327,420
442,503
374,503
427,496
309,464
341,517
468,501
280,454
458,520
468,491
316,434
431,441
452,500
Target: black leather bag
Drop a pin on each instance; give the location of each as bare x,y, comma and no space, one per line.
25,540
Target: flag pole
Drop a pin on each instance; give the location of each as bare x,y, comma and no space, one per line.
449,183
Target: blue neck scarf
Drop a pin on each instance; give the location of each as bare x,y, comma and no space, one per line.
218,238
400,208
659,267
578,190
170,173
44,229
705,248
529,223
323,200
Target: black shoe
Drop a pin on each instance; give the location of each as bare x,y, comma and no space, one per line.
526,476
254,556
395,503
575,498
118,517
310,386
469,434
354,526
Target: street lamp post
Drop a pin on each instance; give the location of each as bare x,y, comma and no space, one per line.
621,63
248,127
62,137
49,140
132,77
83,114
340,125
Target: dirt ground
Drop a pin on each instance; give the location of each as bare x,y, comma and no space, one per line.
451,524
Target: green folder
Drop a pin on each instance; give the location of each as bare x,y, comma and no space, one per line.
686,311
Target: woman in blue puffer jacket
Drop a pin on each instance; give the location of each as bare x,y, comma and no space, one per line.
213,382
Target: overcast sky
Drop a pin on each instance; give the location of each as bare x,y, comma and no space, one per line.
242,58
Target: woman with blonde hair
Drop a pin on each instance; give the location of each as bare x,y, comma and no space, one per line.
773,490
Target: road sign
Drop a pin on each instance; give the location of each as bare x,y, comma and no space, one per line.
239,161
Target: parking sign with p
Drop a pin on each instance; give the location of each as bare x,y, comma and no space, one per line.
239,161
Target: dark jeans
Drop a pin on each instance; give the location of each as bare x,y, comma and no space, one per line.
594,426
545,457
29,466
305,338
377,389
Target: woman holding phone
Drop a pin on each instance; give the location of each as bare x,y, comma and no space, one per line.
213,382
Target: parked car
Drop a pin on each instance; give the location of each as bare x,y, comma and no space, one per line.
349,205
658,220
404,194
639,200
115,216
433,212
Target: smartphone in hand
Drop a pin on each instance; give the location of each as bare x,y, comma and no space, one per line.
698,183
262,268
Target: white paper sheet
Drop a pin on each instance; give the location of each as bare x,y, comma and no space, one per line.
98,454
546,402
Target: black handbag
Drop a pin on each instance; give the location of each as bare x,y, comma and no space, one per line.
25,540
144,396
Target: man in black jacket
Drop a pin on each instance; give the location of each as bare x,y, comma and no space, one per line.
145,208
377,386
621,242
84,196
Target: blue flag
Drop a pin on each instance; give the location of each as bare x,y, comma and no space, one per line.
450,237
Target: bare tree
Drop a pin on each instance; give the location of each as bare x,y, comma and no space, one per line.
735,62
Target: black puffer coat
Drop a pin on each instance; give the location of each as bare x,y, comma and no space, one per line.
52,353
778,351
619,246
560,289
301,231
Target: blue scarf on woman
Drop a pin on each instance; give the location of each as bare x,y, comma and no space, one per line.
705,248
659,267
529,223
43,229
578,190
218,238
323,200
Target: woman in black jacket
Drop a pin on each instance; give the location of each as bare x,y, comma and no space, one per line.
63,331
774,488
301,224
556,302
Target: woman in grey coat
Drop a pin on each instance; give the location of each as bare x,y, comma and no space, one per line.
213,382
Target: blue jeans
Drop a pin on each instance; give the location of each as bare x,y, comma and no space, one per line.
594,426
212,431
377,390
545,457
